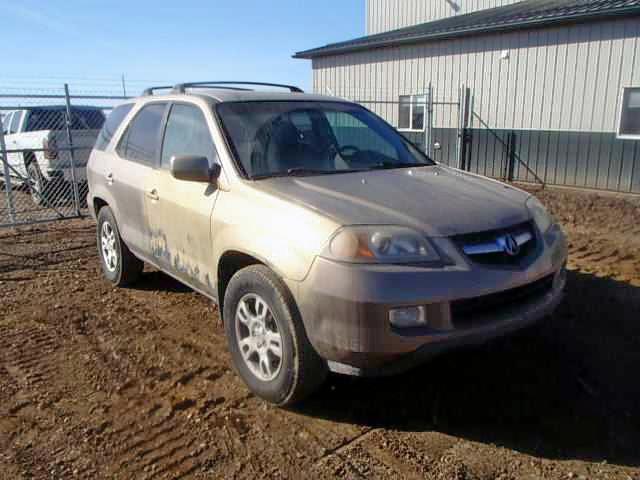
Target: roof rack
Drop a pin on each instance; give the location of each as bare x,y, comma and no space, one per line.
149,91
181,87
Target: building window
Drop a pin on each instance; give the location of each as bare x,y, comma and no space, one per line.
630,114
412,109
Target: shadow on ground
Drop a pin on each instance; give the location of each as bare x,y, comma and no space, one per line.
158,281
566,389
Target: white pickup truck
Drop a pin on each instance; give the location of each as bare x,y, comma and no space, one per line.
38,145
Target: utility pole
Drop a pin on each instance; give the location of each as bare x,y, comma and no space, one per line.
124,88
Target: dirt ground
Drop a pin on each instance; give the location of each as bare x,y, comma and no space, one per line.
97,382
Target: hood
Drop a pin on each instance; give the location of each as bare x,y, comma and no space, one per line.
437,200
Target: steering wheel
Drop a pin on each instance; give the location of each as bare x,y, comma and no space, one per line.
345,149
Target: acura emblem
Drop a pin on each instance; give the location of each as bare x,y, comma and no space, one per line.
509,245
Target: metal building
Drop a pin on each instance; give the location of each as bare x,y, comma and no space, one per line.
545,90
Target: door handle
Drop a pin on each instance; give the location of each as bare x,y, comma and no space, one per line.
153,195
110,178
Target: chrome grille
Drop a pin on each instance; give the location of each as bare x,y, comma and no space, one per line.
506,246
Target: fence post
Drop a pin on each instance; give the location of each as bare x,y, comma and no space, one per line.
464,136
74,182
428,130
7,176
511,158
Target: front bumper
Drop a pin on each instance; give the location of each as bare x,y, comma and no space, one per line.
345,307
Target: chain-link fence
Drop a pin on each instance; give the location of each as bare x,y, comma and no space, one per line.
444,124
45,143
433,121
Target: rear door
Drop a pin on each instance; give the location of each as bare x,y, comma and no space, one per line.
179,211
133,162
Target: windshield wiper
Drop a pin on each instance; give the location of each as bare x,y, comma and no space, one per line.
293,172
302,171
389,165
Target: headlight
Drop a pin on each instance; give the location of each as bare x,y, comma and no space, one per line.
539,213
380,244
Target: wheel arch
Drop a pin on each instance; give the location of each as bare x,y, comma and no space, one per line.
231,262
98,204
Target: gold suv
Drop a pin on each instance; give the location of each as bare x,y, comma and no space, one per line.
328,240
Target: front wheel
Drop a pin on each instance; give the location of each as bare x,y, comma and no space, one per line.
119,265
267,340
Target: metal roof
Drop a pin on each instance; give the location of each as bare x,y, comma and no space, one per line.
526,14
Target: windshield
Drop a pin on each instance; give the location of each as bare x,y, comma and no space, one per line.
313,138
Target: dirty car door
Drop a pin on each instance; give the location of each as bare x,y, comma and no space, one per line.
180,213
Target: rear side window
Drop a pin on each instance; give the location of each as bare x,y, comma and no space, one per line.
140,141
55,119
15,122
187,133
111,125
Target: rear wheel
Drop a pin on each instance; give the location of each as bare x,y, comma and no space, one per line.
267,340
37,184
119,265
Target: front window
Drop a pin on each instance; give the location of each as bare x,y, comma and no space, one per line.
187,133
411,112
313,138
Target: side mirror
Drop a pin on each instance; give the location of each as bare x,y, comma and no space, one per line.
193,168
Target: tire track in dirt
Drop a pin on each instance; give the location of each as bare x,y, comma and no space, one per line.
161,439
26,352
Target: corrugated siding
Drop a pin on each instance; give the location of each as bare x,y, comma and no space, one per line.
563,82
563,78
385,15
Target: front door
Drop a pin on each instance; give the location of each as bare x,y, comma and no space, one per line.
180,212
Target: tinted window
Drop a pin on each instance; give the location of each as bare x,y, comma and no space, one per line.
54,119
15,122
140,142
111,125
187,133
354,135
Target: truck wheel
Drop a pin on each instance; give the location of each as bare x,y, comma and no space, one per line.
119,265
37,184
267,340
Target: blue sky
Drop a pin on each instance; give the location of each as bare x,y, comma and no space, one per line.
91,43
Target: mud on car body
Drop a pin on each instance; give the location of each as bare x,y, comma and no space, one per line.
328,241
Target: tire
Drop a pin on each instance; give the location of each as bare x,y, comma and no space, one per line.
300,370
37,184
119,265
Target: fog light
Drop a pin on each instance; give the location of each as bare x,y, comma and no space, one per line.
408,317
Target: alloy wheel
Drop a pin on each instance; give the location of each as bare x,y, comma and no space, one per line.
258,338
108,244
